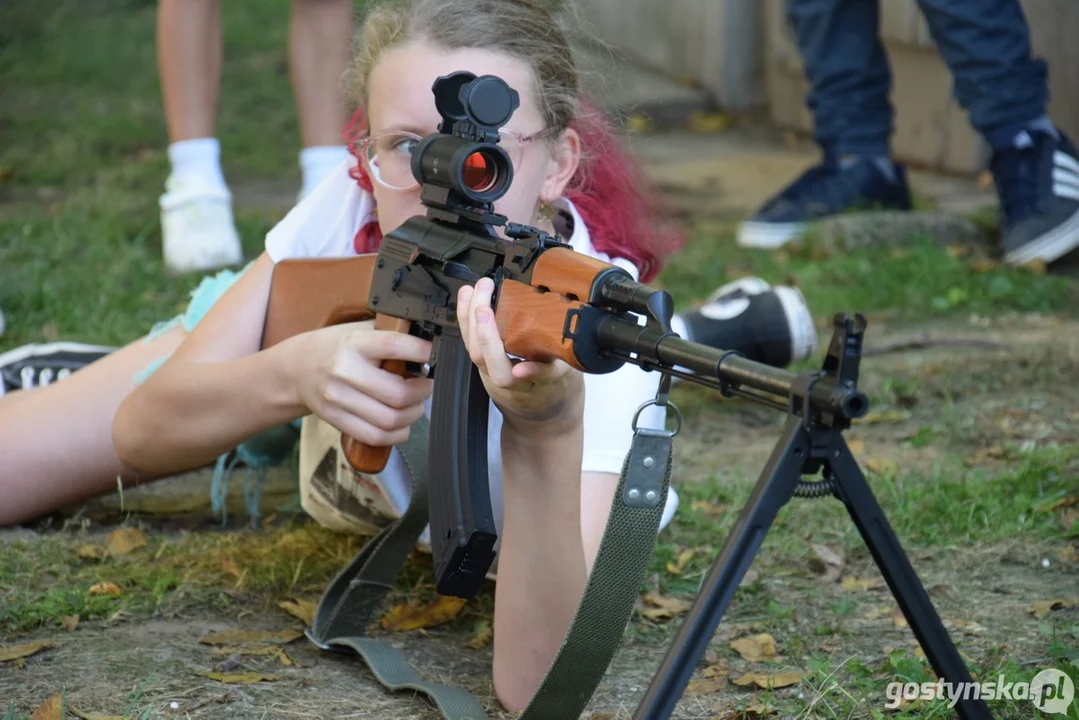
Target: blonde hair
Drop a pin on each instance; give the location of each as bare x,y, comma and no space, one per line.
523,29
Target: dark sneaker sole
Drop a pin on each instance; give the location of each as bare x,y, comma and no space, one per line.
1051,246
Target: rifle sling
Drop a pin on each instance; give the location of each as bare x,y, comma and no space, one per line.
353,597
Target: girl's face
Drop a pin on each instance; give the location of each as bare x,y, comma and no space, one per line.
400,99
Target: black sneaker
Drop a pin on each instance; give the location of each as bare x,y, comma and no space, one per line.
769,325
831,188
1037,180
32,366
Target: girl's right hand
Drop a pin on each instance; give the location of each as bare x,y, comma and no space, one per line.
341,382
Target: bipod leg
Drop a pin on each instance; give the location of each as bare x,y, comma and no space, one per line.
773,490
852,488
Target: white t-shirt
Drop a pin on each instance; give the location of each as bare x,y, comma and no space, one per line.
325,223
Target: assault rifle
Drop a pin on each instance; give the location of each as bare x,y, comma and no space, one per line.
551,302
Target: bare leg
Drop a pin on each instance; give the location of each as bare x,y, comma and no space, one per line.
189,58
57,440
320,39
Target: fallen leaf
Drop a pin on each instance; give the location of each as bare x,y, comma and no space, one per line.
758,710
1035,267
768,681
238,637
749,578
93,715
663,606
679,565
1064,502
125,540
89,552
247,678
105,588
898,618
994,452
755,648
1068,554
602,716
302,609
285,659
879,612
229,566
857,447
882,466
482,636
702,122
970,627
51,709
1042,608
883,416
410,616
829,561
708,508
70,622
20,651
1068,517
718,668
706,686
855,584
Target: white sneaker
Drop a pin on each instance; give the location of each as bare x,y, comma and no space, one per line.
197,229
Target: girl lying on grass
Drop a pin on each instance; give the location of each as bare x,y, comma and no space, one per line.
199,388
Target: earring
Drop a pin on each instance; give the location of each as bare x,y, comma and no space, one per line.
545,210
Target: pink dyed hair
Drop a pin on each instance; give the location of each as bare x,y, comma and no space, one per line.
620,208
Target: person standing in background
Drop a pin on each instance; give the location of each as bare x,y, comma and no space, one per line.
1003,88
198,231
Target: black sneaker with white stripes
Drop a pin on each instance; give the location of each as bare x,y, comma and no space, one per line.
33,366
1037,180
769,325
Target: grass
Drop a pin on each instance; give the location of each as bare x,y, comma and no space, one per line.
82,163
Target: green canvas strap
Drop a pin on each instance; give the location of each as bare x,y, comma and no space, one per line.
355,595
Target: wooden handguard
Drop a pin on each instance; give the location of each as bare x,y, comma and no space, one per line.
568,272
530,323
310,294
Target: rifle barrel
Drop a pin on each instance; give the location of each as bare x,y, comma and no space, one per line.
653,346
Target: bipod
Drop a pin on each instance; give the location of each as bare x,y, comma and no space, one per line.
812,443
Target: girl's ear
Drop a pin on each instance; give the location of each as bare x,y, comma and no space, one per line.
565,159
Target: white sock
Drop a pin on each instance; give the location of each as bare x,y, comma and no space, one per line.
197,162
317,162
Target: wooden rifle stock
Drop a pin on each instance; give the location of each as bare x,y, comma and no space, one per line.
309,294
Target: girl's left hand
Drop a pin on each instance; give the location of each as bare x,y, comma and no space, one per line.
530,394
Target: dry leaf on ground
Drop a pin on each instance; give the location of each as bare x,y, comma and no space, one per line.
663,606
70,622
898,618
881,465
89,552
1069,554
239,637
708,508
705,686
829,561
857,447
1043,607
755,648
26,650
409,616
482,636
679,565
768,681
1068,517
51,709
125,540
93,715
105,588
302,609
247,678
854,584
878,612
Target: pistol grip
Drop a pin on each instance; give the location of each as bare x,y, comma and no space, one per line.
366,458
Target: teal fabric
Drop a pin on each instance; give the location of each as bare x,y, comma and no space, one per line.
270,448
